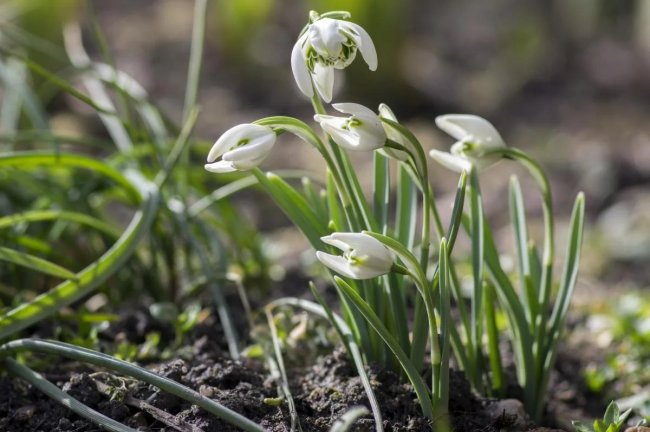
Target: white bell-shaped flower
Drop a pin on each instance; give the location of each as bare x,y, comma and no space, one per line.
475,135
241,148
325,45
364,257
362,131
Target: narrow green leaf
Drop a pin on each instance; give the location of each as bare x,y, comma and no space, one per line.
565,292
406,210
39,382
294,206
336,216
347,420
35,263
122,367
29,159
314,199
494,353
478,222
284,385
381,192
518,217
457,212
88,279
56,81
444,305
58,215
611,413
196,55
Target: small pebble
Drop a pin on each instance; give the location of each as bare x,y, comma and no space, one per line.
511,410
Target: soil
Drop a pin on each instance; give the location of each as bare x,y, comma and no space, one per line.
322,393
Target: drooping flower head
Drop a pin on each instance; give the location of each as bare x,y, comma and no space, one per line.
475,135
364,257
361,131
241,148
327,44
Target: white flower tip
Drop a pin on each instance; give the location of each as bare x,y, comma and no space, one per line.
469,126
300,72
453,162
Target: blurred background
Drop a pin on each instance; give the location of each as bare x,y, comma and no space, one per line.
568,81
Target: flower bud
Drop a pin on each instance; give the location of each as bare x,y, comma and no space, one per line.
364,257
325,45
241,148
362,131
393,135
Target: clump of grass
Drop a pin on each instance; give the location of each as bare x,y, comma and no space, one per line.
122,212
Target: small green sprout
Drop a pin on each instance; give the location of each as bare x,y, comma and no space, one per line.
613,421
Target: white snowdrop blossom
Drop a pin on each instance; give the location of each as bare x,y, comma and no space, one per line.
361,131
364,257
241,148
325,45
475,137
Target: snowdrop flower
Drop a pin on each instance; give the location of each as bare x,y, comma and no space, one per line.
475,137
325,45
364,257
241,148
362,131
393,135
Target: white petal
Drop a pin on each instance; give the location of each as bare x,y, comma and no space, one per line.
324,80
299,67
370,137
336,263
335,240
326,38
220,167
344,138
386,112
259,147
470,127
227,140
393,134
453,162
354,109
363,272
366,46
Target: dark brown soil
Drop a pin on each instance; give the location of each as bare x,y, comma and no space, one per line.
322,393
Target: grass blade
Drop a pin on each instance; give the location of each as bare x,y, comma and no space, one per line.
39,382
58,215
129,369
381,192
347,420
88,279
35,263
518,216
26,159
478,252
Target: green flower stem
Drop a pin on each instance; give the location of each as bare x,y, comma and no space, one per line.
106,361
496,365
39,382
540,323
304,132
348,178
477,217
